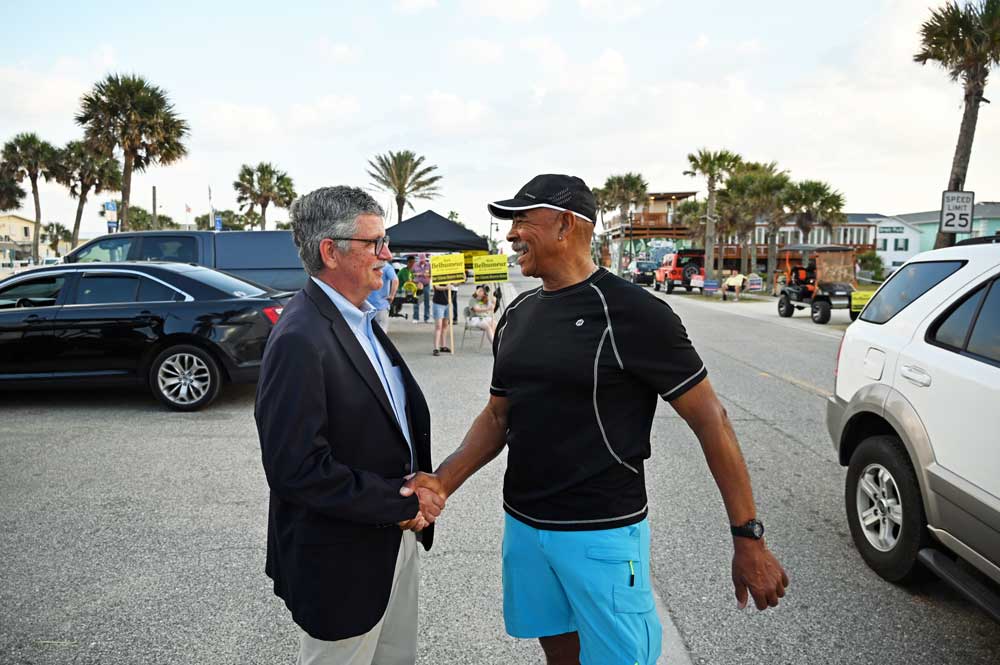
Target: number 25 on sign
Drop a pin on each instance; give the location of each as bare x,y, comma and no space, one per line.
956,211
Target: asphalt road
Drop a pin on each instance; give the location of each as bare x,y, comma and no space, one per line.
136,535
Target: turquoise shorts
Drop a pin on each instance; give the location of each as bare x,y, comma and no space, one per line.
595,583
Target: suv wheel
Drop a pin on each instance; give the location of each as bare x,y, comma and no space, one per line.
884,509
185,378
821,312
785,308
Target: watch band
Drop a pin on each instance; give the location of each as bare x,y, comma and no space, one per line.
752,529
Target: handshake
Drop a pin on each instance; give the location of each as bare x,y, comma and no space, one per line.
431,495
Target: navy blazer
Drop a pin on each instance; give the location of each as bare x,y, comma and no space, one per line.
335,457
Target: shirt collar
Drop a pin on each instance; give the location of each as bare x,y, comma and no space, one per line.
355,317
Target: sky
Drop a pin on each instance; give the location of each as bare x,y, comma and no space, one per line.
493,93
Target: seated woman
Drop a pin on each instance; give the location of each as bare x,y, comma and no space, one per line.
481,312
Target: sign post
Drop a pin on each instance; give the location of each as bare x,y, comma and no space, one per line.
956,212
448,269
218,222
111,216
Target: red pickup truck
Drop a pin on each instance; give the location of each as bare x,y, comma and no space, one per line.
678,269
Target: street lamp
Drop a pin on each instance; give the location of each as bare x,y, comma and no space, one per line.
496,224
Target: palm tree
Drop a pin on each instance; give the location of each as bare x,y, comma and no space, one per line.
964,40
263,185
81,170
623,191
403,175
57,233
128,113
692,213
27,156
815,203
11,193
602,201
714,167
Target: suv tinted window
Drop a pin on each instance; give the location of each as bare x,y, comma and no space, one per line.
985,340
152,291
42,291
256,249
108,250
180,249
103,289
905,286
954,328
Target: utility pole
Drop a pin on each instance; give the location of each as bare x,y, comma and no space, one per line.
156,224
211,210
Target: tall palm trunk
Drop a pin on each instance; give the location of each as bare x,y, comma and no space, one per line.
126,191
400,202
745,253
963,150
710,269
263,216
772,256
79,215
38,218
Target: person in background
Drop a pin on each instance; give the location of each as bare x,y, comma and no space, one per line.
481,311
441,318
422,276
405,275
381,298
735,283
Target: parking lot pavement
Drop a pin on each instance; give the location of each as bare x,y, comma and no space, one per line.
136,535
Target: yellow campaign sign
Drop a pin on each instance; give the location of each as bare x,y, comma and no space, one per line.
859,299
491,268
447,269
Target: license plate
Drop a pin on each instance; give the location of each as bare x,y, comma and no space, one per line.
839,302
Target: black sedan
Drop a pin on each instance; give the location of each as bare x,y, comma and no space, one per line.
641,272
182,330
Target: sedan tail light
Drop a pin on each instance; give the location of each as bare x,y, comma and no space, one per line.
272,313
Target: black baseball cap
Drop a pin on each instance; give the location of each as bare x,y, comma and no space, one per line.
550,190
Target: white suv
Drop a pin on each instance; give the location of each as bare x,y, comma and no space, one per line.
915,417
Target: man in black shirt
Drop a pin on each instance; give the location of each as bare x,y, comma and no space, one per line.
578,365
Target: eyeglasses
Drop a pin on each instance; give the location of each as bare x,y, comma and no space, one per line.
378,242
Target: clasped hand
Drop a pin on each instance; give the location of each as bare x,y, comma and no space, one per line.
431,495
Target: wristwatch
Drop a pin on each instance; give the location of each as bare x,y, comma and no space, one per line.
753,529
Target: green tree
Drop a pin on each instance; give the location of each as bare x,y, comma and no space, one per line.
623,191
231,221
27,156
83,170
692,214
142,219
56,233
714,166
965,41
762,186
11,193
813,203
403,175
263,185
127,113
602,201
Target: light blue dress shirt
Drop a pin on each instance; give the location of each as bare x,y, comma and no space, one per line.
360,323
379,298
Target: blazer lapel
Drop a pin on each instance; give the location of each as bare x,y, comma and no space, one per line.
345,336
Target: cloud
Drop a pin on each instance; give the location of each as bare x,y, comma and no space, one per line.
448,113
329,111
414,6
701,43
517,11
477,51
614,11
334,53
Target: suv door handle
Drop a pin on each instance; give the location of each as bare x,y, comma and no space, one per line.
34,318
915,375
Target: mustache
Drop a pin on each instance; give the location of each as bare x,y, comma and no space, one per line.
518,246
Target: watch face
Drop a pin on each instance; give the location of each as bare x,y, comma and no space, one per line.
758,529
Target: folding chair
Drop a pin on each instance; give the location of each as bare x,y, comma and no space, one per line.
467,312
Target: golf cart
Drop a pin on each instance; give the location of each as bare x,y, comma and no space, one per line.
820,277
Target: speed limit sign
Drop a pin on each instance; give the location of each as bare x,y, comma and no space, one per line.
956,212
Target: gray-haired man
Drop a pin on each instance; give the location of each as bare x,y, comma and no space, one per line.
342,424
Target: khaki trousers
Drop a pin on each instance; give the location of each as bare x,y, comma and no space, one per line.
393,640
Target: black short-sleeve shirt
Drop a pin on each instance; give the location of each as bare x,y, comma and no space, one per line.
581,368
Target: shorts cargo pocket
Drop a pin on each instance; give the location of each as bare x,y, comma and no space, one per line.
632,599
614,553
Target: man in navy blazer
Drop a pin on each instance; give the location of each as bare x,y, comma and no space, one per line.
342,425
